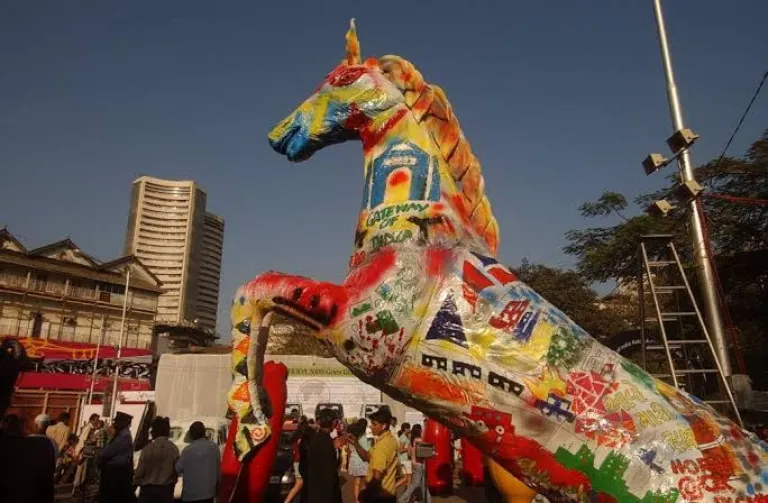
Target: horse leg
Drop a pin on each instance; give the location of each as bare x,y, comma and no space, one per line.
247,480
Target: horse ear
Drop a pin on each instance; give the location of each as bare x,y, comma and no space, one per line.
353,45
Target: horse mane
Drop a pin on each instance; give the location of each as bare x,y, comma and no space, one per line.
430,107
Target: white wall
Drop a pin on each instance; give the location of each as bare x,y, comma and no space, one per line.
197,385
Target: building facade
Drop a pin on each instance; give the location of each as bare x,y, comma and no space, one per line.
210,269
58,292
171,233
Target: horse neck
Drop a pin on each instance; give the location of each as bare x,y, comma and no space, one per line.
403,200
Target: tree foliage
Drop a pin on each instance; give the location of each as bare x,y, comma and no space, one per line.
289,337
735,220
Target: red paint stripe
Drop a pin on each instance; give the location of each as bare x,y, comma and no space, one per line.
500,273
475,278
372,138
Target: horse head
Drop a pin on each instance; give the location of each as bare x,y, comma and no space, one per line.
343,106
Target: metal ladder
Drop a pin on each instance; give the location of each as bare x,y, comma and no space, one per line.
682,344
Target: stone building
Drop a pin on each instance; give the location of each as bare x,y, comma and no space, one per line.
59,292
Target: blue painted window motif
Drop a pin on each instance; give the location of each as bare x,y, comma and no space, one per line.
425,178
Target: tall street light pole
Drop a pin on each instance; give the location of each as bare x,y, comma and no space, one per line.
700,249
120,343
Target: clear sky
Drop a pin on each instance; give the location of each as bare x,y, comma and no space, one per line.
559,100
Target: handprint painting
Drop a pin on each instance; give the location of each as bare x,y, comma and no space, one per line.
428,315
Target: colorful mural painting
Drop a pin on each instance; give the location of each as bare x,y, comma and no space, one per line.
430,317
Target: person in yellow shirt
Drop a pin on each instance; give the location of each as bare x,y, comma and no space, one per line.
383,460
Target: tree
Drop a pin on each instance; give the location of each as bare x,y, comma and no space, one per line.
568,291
289,337
736,220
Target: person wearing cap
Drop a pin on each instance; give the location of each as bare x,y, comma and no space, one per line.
383,460
42,422
116,461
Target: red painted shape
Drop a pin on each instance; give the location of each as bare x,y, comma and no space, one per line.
345,75
510,316
474,278
372,273
472,463
371,138
436,258
398,178
357,120
470,296
503,275
508,449
356,259
440,467
252,483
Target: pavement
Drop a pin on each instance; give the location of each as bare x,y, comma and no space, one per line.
461,494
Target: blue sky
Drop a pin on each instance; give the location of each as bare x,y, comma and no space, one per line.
560,101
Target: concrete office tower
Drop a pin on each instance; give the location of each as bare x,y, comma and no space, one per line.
210,269
168,231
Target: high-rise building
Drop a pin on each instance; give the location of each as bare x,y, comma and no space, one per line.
170,231
210,269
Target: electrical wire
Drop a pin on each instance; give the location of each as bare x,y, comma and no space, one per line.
743,116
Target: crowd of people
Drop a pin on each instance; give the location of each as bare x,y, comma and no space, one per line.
34,464
378,466
380,462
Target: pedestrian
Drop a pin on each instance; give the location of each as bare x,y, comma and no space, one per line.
80,450
85,433
296,450
65,465
28,463
383,460
358,467
418,479
59,432
116,462
304,441
404,449
323,484
42,422
156,471
198,466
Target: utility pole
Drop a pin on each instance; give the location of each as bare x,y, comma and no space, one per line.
701,256
120,343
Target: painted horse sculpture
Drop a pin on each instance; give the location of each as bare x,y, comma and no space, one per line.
428,315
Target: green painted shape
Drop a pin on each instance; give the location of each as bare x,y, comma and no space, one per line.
609,478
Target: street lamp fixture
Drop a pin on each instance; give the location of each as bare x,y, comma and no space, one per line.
659,208
654,162
688,190
681,141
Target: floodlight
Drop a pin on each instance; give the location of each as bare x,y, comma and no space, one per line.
659,208
654,162
681,140
688,190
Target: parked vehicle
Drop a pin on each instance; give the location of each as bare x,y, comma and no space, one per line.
290,408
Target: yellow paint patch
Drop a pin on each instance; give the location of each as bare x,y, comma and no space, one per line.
398,187
548,382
